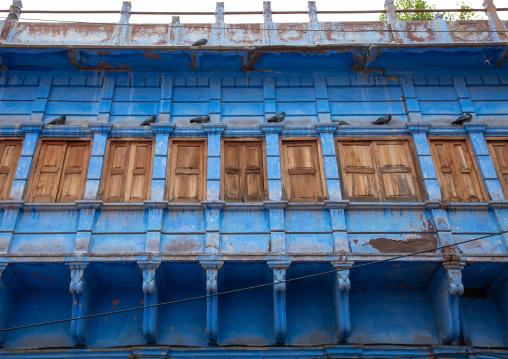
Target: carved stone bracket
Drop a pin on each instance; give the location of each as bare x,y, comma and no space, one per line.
77,277
212,268
149,288
279,268
341,310
454,274
79,288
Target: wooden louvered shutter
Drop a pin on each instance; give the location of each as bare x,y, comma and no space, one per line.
456,173
499,153
9,156
47,173
396,171
187,171
302,172
253,167
358,171
116,174
138,179
73,180
233,176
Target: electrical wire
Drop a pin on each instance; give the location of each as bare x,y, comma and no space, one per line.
247,288
51,22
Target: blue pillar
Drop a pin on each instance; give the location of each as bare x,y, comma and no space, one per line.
81,290
93,178
85,224
212,268
213,161
330,160
445,289
341,311
151,297
162,133
166,98
279,268
108,87
273,160
41,99
6,305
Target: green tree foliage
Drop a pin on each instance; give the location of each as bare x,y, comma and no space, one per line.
424,5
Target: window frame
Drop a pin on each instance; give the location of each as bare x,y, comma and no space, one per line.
170,176
475,166
320,171
35,161
12,175
106,157
421,194
489,140
264,169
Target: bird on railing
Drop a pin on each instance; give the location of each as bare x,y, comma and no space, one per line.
200,42
464,118
149,120
340,122
201,119
383,120
60,120
277,118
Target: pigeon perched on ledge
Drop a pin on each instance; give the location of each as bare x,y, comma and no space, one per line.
277,118
200,42
383,120
340,122
200,119
60,120
149,120
464,118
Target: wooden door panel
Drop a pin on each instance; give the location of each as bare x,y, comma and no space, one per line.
116,173
187,171
254,187
233,172
138,180
9,156
499,154
48,171
74,172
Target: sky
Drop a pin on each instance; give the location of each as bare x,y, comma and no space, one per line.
209,5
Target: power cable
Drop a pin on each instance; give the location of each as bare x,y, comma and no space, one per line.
247,288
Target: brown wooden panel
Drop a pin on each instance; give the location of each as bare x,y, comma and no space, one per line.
46,179
499,153
186,174
72,183
138,180
9,156
456,172
358,171
302,174
396,171
233,171
254,174
116,172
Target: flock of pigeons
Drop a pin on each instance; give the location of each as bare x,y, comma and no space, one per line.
383,120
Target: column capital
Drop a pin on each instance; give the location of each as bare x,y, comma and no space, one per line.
279,264
275,204
418,127
475,128
210,128
32,127
162,128
271,128
100,127
213,204
326,127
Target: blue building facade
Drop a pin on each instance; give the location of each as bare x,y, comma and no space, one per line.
76,251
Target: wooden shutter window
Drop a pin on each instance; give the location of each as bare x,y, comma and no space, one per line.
128,174
187,171
375,171
243,170
60,172
456,172
302,171
499,153
9,156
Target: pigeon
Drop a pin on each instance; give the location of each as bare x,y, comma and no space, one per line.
383,120
200,119
340,122
200,42
464,118
149,120
277,118
60,120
